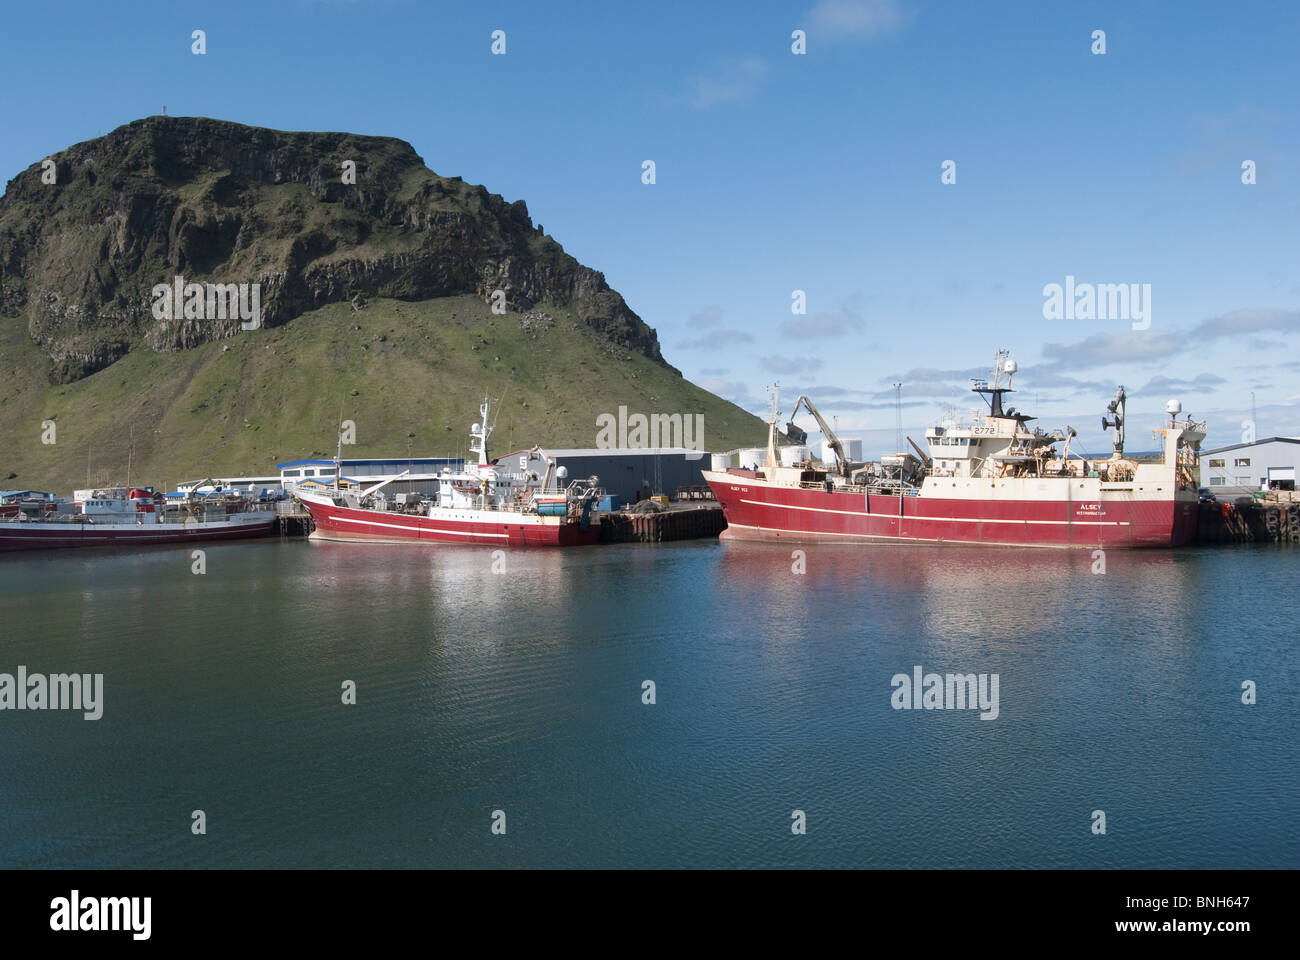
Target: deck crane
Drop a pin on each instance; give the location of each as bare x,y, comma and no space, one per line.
837,448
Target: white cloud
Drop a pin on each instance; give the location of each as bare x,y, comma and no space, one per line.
1103,349
706,318
732,80
1162,385
718,339
1248,321
822,325
738,393
854,19
781,364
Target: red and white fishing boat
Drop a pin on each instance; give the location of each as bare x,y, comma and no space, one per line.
118,516
485,503
993,481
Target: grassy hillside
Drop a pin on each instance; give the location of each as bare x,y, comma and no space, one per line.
410,374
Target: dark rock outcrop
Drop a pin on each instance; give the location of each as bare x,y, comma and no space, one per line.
223,203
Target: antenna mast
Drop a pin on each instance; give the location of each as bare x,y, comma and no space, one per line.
771,430
898,417
338,449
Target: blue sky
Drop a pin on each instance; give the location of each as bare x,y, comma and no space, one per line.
819,172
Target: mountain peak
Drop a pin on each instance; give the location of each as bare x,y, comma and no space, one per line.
312,218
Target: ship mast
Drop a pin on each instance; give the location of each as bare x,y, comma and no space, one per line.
993,395
338,449
771,430
479,432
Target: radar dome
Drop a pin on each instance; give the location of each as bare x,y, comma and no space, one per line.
1010,366
562,473
1173,407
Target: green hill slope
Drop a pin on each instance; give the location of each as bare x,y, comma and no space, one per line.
410,375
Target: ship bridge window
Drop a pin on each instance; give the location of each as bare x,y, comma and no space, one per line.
292,473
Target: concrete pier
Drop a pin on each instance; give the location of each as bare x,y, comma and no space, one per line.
292,519
1249,520
679,523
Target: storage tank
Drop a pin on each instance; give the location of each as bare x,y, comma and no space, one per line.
852,450
719,462
792,455
749,456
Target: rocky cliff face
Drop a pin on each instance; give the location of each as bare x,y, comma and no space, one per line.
223,203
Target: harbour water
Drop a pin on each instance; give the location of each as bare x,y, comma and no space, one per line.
521,690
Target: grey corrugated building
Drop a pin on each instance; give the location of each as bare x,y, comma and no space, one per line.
1266,464
624,473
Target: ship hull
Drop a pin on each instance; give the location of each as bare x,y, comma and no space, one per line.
333,522
42,535
758,510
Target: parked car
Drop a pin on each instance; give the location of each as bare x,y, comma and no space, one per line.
1206,496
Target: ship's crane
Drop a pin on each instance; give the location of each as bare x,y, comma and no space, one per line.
383,483
192,493
841,462
925,459
1116,421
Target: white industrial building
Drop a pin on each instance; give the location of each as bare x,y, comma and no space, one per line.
1266,464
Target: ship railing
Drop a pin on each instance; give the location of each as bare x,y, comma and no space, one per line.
890,487
839,487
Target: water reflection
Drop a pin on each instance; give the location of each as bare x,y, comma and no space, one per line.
522,688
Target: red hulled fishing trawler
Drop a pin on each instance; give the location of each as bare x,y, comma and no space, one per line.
992,481
484,503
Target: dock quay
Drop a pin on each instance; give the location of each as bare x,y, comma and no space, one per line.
292,519
1274,517
683,521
